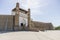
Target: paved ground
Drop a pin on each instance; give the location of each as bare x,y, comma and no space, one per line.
24,35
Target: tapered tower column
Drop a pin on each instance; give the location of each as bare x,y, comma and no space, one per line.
29,19
17,17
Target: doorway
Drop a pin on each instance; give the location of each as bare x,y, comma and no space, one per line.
23,26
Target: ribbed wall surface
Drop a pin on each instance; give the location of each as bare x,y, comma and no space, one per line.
6,22
43,26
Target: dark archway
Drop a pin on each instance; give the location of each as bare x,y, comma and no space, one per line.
23,26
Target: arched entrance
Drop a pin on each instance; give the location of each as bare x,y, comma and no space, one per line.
22,23
23,26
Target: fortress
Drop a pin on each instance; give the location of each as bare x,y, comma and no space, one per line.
21,20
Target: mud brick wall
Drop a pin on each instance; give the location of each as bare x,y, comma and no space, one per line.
6,22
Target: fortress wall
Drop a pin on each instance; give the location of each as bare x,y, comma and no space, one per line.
43,26
6,22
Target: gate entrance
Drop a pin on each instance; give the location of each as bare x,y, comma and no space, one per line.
23,26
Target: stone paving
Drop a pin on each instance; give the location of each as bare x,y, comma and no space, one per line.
27,35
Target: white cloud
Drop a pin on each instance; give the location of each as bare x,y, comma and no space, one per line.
34,5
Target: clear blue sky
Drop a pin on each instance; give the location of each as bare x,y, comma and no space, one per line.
41,10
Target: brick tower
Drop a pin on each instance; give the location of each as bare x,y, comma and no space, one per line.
16,17
29,19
